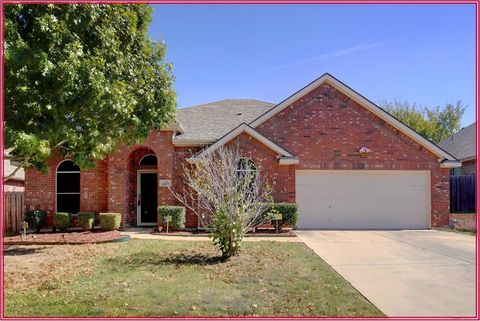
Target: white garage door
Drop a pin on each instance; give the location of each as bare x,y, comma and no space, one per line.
367,199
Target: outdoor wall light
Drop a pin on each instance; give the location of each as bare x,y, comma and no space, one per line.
364,150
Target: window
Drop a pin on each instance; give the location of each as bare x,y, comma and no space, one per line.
149,160
247,170
68,187
456,171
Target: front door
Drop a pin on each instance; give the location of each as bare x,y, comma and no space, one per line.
147,198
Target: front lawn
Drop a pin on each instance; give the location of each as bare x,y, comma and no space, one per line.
166,278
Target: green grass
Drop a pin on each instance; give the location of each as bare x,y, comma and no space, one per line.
467,232
166,278
460,231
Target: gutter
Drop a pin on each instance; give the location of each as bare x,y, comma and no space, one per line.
450,164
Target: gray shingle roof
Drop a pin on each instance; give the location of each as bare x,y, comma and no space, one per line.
461,144
213,120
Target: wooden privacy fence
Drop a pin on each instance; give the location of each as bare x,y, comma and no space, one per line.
462,193
14,208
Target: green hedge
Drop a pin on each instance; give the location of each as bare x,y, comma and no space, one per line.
85,220
110,221
36,219
62,221
178,217
289,213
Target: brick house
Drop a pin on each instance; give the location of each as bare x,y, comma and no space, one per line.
17,182
462,146
345,161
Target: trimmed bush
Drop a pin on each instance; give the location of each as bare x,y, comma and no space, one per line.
62,221
36,219
110,221
85,220
178,217
289,213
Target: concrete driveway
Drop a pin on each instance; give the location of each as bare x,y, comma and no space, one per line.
404,273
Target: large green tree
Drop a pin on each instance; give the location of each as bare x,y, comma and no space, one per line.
435,124
80,80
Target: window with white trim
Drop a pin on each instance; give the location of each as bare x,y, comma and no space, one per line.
247,170
149,160
68,187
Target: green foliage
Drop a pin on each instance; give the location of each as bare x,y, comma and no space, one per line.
435,124
36,219
110,221
85,220
62,221
178,216
71,69
227,233
289,213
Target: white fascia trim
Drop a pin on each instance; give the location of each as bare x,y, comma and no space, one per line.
244,128
327,78
191,142
450,164
175,126
288,160
466,159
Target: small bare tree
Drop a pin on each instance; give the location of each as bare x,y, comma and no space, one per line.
225,191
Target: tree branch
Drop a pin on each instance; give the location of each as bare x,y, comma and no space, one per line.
15,171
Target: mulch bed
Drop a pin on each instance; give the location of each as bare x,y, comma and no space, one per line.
66,238
259,232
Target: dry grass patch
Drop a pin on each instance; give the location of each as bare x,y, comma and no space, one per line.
162,278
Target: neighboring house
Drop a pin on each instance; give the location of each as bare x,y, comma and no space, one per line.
17,182
345,161
461,145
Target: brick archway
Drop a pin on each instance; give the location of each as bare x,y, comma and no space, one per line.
122,167
133,165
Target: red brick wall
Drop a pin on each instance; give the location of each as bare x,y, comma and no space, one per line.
181,154
325,129
122,174
93,188
280,177
40,188
469,167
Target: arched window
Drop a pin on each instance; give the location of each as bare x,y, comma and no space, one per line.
149,161
247,171
68,187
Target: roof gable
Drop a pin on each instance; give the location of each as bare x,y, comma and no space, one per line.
361,100
284,156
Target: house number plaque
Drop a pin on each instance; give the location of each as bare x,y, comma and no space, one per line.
164,182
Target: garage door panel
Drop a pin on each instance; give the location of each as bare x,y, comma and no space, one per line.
363,199
382,178
411,209
414,193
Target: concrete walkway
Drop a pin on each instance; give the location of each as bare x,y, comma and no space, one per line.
404,273
144,234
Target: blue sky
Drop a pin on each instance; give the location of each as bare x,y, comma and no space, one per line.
421,53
